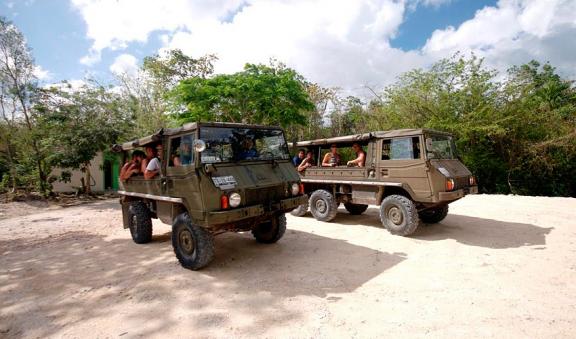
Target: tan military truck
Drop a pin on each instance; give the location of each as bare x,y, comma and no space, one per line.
213,178
412,174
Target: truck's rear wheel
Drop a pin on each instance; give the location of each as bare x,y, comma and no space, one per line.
399,215
434,215
301,210
355,209
270,231
323,205
140,222
193,244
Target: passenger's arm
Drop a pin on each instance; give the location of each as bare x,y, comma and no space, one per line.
143,166
359,161
304,165
150,174
326,160
123,172
152,169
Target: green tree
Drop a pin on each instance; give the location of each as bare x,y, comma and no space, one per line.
79,123
144,92
273,95
18,86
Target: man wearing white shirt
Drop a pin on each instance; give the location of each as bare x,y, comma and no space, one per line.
153,167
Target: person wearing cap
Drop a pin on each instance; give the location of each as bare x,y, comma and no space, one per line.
332,158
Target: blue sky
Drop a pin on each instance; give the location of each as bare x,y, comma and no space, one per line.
347,44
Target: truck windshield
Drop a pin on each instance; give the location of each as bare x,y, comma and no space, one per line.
442,147
225,144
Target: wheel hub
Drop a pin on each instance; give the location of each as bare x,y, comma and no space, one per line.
395,215
321,206
186,241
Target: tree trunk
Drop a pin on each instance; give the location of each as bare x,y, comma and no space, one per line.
12,166
87,181
41,175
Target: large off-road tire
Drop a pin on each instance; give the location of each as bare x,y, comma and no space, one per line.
270,231
140,222
323,205
301,210
399,215
355,209
193,244
434,215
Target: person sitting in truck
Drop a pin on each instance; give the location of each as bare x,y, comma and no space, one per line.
360,156
332,158
298,158
248,150
150,154
154,165
307,162
132,167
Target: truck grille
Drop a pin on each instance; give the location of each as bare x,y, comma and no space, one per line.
461,182
264,195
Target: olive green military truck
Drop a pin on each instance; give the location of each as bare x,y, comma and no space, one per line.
412,174
213,178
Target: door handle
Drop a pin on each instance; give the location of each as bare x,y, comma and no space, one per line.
384,172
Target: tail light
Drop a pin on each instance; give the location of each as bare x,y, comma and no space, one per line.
449,184
224,202
301,188
472,181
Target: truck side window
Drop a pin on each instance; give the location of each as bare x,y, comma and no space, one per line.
181,151
401,148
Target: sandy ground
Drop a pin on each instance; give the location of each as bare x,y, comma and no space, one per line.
497,266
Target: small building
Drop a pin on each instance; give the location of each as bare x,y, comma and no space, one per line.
104,172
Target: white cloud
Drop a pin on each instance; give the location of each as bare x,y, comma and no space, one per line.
41,74
124,64
114,23
514,32
336,43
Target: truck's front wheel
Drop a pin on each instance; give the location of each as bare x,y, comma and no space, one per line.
270,231
193,245
434,215
323,205
399,215
140,222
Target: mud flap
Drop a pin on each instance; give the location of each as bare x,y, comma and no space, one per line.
125,214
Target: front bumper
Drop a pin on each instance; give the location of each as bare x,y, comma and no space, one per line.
455,195
236,214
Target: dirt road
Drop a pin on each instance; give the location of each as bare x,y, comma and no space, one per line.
497,266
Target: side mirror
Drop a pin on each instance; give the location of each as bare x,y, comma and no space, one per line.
199,145
428,143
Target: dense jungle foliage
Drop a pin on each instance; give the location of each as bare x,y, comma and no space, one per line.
516,131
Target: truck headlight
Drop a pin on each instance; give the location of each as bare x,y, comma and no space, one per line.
234,199
295,188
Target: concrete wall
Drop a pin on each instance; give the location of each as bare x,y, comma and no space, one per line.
96,172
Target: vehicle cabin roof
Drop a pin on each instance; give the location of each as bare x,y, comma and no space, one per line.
157,137
365,136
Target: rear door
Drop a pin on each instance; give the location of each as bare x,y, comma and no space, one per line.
181,176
